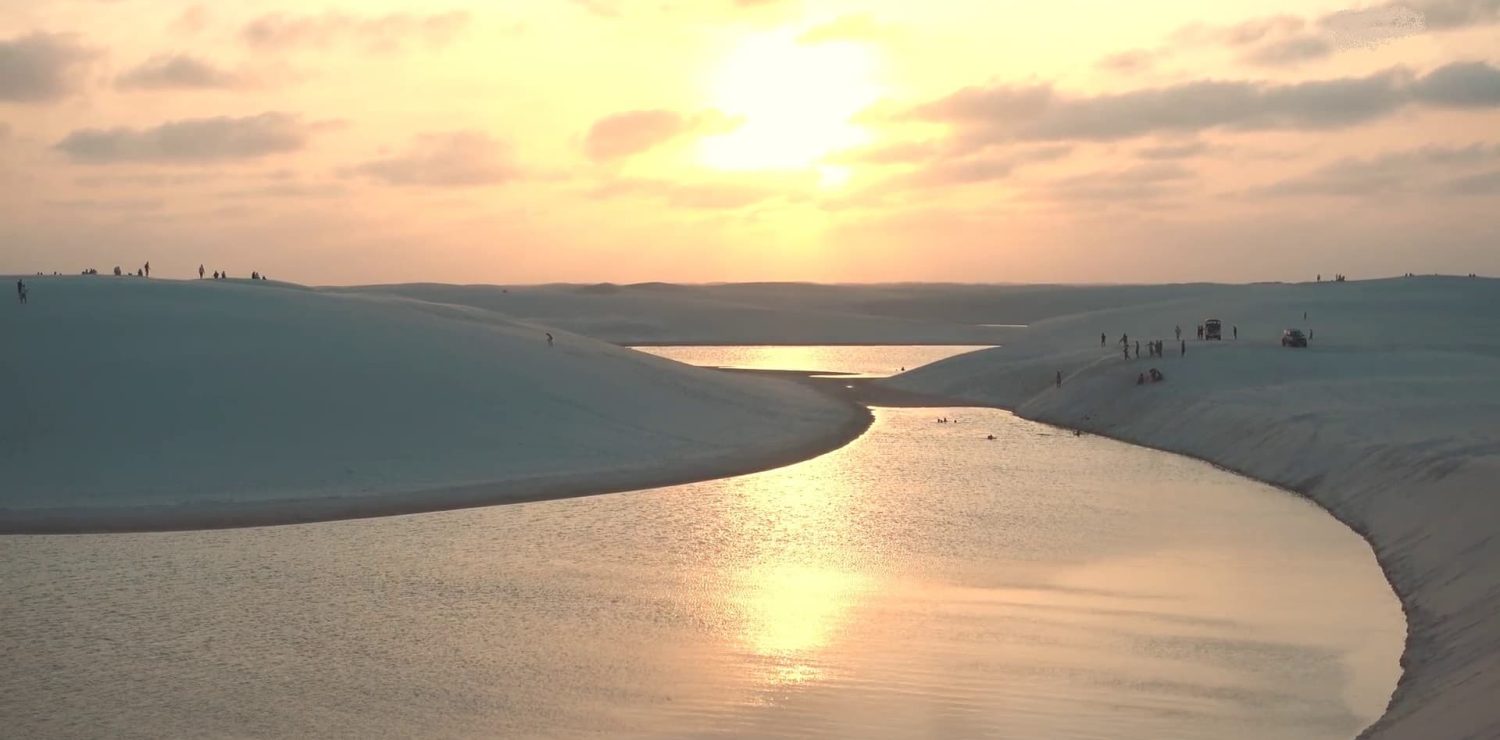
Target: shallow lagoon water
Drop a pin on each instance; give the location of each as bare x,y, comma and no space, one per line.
869,361
922,581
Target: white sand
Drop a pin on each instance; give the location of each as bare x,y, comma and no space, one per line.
1391,420
132,403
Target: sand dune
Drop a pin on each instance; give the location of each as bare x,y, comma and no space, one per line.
752,313
133,403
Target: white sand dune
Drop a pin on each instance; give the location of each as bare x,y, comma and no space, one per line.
141,404
750,313
1391,420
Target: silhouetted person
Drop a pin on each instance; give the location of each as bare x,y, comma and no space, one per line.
1059,378
1137,349
1101,339
1184,347
1236,332
200,272
117,270
1179,333
148,269
20,291
549,339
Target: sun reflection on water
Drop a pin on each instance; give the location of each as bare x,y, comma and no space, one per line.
799,584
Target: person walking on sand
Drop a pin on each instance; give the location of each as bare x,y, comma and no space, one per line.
1101,339
1184,347
1137,349
148,269
20,291
1059,378
1236,331
200,272
549,339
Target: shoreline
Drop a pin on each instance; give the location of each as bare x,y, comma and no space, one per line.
167,518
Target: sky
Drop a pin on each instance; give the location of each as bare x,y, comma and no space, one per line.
741,140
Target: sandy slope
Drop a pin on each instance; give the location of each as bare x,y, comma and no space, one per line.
752,313
140,404
1391,420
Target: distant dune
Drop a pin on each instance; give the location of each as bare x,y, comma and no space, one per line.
142,404
751,313
1390,420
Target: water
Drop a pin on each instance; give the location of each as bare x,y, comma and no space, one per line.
922,581
868,361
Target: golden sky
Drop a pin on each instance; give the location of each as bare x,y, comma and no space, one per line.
729,140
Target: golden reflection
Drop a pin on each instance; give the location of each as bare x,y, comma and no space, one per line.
802,580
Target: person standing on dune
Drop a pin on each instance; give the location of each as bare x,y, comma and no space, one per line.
20,291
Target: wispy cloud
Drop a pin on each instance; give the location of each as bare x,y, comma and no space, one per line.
634,132
178,71
1402,171
985,116
189,141
373,33
455,159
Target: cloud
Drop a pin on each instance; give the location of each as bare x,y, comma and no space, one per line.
1135,60
4,131
844,28
1245,33
177,71
1485,183
982,168
445,160
188,141
1370,27
1461,85
987,116
1290,51
720,195
1392,172
191,21
42,67
1173,151
1283,40
633,132
1133,185
377,34
1446,14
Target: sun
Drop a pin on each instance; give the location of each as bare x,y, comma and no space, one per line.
794,103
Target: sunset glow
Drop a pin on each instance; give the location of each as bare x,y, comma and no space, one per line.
795,101
782,140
